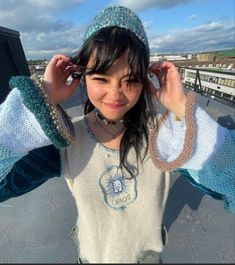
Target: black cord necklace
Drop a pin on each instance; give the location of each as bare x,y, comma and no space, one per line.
105,121
114,135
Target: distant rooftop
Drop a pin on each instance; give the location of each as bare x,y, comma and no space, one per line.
226,53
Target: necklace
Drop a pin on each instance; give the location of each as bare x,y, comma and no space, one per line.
105,121
114,135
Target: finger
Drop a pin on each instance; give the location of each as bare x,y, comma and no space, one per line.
163,71
66,74
160,66
163,76
158,74
68,71
62,63
57,58
155,66
157,70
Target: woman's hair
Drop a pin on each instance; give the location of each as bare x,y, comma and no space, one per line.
106,46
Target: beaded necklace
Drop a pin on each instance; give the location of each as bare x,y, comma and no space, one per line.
114,135
99,118
105,121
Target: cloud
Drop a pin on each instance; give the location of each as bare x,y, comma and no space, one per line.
46,6
141,5
43,34
206,37
193,16
40,29
148,24
45,45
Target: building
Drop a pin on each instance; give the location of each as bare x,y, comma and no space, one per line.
209,82
168,57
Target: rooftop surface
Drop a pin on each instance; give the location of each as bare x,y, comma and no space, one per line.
35,227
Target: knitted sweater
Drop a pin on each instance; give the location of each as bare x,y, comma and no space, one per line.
119,220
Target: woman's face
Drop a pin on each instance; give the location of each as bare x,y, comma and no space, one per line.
112,92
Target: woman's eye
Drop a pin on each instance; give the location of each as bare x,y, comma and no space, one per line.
132,80
100,79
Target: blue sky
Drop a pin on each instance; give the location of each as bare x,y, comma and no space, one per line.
48,27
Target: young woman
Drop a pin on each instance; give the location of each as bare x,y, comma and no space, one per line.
116,158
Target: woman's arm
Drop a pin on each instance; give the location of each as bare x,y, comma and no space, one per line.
20,133
33,129
29,172
198,147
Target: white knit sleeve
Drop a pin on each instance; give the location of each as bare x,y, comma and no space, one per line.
170,140
20,132
212,159
209,137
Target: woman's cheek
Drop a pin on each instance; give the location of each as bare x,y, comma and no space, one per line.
135,93
95,91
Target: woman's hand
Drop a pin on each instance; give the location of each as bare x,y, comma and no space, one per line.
56,74
171,93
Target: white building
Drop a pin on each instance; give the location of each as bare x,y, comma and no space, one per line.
165,57
210,82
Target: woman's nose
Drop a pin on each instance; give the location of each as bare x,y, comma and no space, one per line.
116,89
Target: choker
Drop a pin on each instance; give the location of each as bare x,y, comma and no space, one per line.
105,121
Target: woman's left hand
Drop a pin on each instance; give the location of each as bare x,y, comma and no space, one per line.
171,92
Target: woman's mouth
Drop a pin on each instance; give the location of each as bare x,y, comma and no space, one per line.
114,106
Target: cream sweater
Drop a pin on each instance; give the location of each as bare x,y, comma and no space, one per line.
118,219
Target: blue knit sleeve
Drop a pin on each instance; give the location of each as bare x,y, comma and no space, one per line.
30,171
216,176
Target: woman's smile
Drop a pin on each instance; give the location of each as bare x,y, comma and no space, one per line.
114,106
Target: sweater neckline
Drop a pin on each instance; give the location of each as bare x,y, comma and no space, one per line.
94,138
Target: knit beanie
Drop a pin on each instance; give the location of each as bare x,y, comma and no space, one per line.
118,16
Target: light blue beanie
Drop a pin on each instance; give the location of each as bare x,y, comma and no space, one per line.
118,16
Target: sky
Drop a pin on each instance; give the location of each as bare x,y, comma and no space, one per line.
49,27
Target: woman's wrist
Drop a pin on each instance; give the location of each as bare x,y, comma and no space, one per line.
179,109
189,139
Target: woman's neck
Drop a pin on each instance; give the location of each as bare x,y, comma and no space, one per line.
104,120
109,134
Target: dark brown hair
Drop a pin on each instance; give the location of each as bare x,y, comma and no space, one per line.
106,46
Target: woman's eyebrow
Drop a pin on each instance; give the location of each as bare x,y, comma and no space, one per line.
107,74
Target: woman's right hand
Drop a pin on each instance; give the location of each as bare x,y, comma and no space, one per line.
56,74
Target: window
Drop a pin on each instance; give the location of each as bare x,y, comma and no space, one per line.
221,81
229,82
232,83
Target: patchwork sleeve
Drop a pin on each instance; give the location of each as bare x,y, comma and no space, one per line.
29,129
200,149
53,120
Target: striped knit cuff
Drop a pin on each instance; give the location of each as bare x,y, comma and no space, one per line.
47,114
189,137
